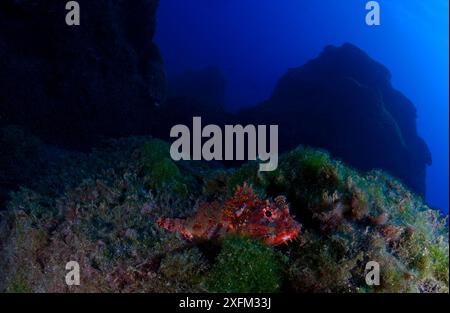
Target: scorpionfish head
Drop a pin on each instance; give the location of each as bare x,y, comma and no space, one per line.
268,220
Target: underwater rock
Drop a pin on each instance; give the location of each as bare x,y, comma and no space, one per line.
193,93
343,101
207,86
102,209
72,84
21,160
246,265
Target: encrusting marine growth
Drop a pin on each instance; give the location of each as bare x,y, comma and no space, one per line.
243,214
102,210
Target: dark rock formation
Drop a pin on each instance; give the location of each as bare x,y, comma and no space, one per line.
206,86
194,93
104,78
71,85
343,102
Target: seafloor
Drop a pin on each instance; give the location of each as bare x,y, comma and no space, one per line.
100,209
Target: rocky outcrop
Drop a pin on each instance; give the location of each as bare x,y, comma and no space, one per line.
343,102
199,92
71,85
105,78
207,86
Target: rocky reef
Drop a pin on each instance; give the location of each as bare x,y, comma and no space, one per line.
80,86
343,102
101,210
74,84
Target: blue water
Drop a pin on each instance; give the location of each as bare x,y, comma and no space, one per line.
254,42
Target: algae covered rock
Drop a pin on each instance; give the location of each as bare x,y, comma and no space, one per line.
101,209
351,219
246,265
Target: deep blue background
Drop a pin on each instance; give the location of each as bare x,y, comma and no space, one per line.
254,42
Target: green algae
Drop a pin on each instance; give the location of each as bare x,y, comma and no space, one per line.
103,206
245,265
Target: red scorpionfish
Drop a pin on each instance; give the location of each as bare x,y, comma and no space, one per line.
244,214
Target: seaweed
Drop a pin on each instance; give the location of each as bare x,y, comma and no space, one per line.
101,208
